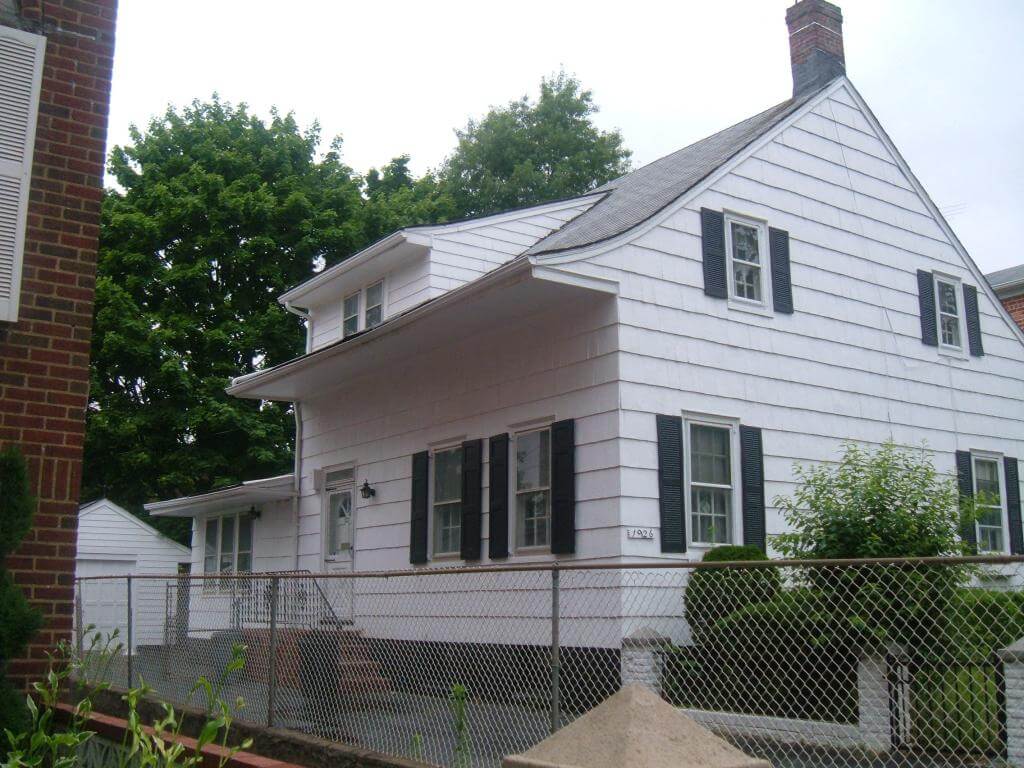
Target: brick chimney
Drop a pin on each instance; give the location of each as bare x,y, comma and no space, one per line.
815,44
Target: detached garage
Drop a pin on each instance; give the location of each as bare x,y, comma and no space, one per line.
114,542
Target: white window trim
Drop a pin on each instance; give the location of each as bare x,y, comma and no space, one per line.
736,513
1004,511
361,312
456,554
366,305
21,171
514,489
326,522
237,515
763,307
948,349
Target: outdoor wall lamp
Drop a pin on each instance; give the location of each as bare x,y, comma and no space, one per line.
366,491
254,513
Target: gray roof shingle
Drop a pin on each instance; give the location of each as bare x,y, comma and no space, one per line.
1007,276
635,197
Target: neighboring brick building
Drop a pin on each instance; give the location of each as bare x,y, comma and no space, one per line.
1009,287
55,104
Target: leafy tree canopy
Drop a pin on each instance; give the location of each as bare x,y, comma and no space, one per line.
217,214
529,152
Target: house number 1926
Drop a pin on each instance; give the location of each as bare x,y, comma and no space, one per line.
640,533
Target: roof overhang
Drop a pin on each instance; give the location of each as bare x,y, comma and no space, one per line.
1009,289
385,255
244,494
514,291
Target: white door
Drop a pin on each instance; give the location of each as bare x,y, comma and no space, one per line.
104,602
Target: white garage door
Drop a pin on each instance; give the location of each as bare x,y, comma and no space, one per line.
105,602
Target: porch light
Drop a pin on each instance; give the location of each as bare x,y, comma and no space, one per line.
254,513
366,491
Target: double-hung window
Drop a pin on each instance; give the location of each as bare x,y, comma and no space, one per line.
339,492
228,544
988,497
745,243
533,488
948,313
447,501
373,315
711,483
350,315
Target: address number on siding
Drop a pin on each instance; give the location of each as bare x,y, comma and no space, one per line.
640,533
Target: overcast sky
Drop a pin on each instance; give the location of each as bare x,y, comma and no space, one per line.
943,76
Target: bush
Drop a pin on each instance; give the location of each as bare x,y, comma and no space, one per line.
715,593
737,666
18,621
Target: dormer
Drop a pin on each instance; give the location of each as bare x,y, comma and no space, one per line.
417,264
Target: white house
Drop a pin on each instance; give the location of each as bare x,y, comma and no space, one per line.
114,542
654,355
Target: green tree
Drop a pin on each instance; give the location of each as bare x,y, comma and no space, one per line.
889,502
217,213
395,199
531,152
18,620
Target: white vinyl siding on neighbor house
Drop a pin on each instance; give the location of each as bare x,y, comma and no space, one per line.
21,62
112,540
848,364
273,538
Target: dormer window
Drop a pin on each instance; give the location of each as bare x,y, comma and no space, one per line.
374,313
746,248
363,310
350,315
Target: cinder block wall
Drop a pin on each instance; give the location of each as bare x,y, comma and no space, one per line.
44,357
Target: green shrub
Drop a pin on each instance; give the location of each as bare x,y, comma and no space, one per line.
714,593
791,657
18,621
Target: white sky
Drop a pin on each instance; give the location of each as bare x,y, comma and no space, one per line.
943,76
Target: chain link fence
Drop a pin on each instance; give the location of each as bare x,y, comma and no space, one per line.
830,665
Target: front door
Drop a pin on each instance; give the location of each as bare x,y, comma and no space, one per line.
339,489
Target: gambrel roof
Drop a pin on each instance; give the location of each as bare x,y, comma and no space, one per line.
632,199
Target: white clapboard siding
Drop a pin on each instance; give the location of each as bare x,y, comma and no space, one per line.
273,536
107,533
849,363
459,253
21,67
558,364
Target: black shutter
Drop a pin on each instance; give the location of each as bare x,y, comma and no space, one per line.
752,470
965,482
973,320
671,503
926,299
472,498
418,517
563,487
782,284
1013,505
712,231
497,498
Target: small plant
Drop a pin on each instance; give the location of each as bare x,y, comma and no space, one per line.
458,699
416,747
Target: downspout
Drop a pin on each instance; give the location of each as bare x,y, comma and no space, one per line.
297,409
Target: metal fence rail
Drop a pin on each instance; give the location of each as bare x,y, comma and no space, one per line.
833,664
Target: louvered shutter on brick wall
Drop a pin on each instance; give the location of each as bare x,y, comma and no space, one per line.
21,67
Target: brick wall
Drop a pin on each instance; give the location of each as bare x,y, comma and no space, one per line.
1015,306
44,357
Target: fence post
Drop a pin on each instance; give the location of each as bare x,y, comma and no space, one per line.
79,626
128,578
556,704
272,662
